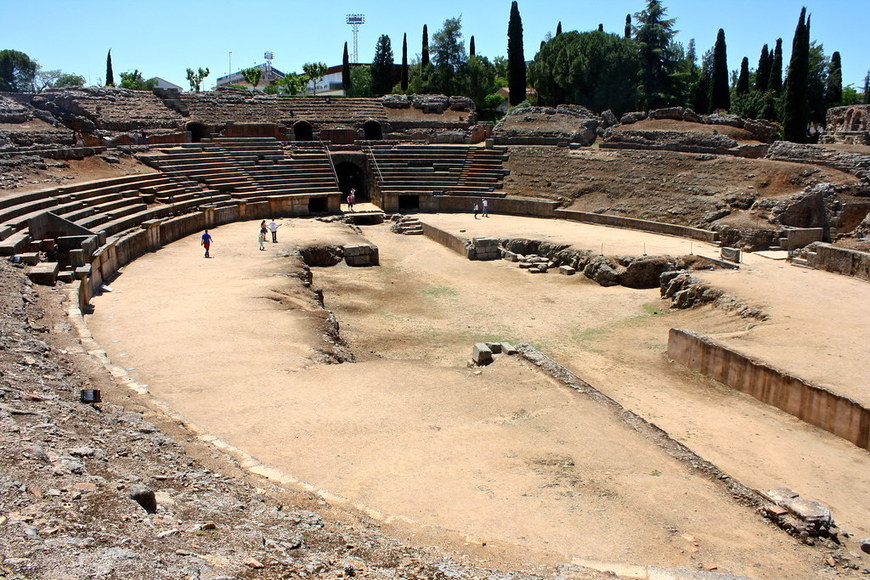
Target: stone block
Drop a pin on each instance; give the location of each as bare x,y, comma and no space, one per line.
509,256
83,272
508,348
567,270
77,258
44,273
30,258
66,276
481,354
495,347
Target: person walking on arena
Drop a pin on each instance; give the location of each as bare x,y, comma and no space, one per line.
273,227
262,238
483,205
476,210
206,242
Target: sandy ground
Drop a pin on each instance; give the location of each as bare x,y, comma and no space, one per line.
503,456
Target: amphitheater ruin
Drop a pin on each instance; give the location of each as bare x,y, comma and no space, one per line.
648,360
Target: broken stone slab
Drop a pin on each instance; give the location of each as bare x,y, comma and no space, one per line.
495,347
481,354
567,270
526,265
44,273
814,519
510,256
508,348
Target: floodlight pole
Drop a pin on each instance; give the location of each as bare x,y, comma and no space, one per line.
355,21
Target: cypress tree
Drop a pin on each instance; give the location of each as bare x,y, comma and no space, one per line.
110,76
404,81
516,60
471,50
600,27
743,80
775,83
559,28
628,25
834,88
867,88
762,75
796,112
424,58
345,70
720,97
382,67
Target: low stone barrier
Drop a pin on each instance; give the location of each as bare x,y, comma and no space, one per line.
811,403
361,255
839,260
455,243
501,205
637,224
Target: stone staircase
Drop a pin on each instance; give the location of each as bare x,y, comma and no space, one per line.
407,225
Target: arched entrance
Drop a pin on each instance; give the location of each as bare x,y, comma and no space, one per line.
198,131
352,175
303,131
373,131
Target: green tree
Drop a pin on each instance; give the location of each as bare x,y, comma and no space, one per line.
559,28
743,80
472,50
110,76
314,71
866,99
134,81
627,32
382,67
404,77
480,75
654,35
701,84
289,85
69,80
17,71
44,79
796,114
762,74
817,78
361,81
516,58
593,69
501,70
252,76
424,55
834,89
195,78
345,70
448,58
720,96
775,83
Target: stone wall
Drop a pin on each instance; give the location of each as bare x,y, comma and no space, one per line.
638,224
839,260
853,163
850,125
811,403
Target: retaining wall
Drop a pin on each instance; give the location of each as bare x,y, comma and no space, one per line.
811,403
636,224
502,205
840,260
455,243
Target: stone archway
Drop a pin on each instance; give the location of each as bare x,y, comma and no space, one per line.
303,131
352,175
373,131
198,131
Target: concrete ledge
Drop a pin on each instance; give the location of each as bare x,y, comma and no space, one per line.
811,403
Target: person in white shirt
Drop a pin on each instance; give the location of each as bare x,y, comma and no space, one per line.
273,227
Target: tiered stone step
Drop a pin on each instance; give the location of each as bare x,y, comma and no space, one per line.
408,225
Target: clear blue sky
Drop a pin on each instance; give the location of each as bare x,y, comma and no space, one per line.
163,38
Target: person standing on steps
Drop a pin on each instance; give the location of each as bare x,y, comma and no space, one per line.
206,242
351,197
483,205
273,227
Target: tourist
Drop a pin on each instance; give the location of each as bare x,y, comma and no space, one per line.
206,242
351,197
476,210
262,238
483,205
263,228
273,227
